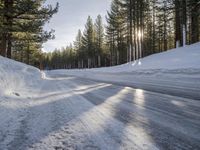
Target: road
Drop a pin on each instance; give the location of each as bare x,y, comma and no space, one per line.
69,112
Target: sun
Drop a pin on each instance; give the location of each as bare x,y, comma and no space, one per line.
139,34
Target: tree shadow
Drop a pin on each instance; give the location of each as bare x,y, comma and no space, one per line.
137,119
46,115
118,117
155,118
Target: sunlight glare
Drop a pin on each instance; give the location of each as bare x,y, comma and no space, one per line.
139,63
139,34
139,97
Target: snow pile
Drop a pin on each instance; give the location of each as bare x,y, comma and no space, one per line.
187,57
16,77
180,58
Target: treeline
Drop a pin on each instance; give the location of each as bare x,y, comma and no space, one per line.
135,28
87,51
21,29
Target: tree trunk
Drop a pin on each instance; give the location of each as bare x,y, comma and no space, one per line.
99,61
131,29
165,25
28,54
9,48
154,28
184,22
3,45
195,22
8,17
178,37
82,65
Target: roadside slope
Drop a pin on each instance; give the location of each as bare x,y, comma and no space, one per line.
187,57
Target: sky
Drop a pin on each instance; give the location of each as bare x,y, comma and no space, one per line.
72,15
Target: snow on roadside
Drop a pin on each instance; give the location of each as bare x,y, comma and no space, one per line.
187,57
184,57
16,77
174,72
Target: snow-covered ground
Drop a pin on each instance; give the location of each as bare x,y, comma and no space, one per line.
150,104
187,57
17,77
175,72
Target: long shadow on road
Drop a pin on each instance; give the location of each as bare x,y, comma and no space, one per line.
127,118
159,119
48,114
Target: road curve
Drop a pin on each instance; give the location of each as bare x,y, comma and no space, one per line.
77,113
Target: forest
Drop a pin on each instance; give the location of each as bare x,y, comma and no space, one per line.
133,29
21,29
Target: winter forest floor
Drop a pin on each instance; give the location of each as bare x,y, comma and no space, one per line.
149,108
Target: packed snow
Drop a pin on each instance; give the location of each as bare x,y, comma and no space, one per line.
149,104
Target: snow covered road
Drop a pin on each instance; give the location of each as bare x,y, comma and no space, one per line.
75,113
178,82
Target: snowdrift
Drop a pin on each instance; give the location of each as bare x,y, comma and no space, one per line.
16,77
180,58
187,57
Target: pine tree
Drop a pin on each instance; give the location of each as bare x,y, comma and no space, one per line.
128,13
194,9
88,42
79,49
116,29
135,28
24,17
99,38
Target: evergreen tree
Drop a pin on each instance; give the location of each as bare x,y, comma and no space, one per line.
116,31
22,17
88,42
194,10
99,38
79,49
135,28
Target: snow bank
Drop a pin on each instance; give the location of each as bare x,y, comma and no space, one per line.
16,77
187,57
180,58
